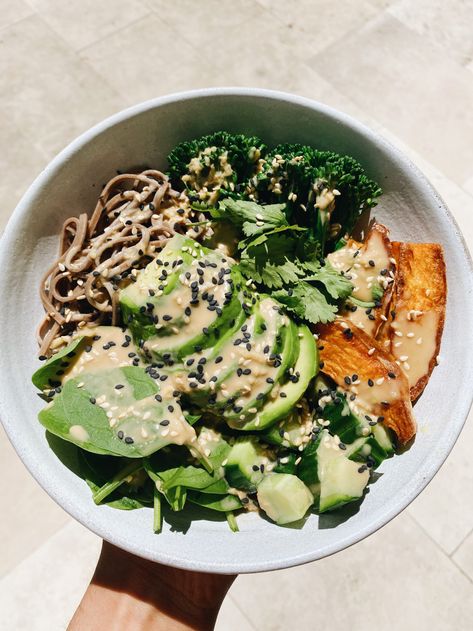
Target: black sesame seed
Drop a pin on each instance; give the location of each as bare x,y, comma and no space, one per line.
120,434
129,440
347,380
164,422
370,383
362,468
371,263
269,380
391,375
283,395
218,359
119,386
158,398
342,446
93,400
255,467
354,377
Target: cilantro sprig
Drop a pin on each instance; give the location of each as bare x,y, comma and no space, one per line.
282,257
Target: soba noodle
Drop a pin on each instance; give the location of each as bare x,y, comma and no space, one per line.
134,217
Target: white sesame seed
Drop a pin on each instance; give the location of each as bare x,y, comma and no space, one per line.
404,358
419,341
379,381
371,351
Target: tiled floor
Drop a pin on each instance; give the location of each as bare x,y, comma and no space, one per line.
406,69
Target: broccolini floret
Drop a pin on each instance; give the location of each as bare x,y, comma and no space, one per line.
215,166
324,190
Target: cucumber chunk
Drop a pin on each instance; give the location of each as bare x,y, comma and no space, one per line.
246,464
284,498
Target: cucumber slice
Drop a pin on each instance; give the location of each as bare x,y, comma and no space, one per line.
246,464
291,432
330,474
284,498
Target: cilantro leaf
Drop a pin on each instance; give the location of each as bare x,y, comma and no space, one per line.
336,285
250,216
307,302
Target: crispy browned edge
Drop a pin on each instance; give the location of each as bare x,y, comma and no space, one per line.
344,355
419,265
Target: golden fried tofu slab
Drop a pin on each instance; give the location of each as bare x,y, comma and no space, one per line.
370,267
414,328
373,380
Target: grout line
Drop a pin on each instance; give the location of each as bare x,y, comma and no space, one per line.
461,543
79,51
444,552
242,611
5,27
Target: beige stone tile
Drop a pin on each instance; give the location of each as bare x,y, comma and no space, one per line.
410,87
43,591
463,557
230,618
82,24
320,22
20,163
12,11
29,516
395,579
446,26
147,59
45,90
443,509
202,23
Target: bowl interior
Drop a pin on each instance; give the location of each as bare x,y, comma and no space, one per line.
142,136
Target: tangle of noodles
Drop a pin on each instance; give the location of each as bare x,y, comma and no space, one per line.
134,217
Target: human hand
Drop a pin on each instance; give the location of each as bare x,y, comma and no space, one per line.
128,592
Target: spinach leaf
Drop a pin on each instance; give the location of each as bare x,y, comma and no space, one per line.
47,375
195,478
133,430
215,502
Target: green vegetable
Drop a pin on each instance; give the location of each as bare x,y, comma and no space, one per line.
50,373
75,415
217,165
275,256
325,191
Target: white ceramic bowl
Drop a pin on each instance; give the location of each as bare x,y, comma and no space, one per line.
143,135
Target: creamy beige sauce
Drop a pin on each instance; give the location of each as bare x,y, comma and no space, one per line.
362,320
363,266
96,358
142,420
77,432
174,304
256,360
417,345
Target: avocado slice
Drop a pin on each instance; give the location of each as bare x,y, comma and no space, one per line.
183,301
287,394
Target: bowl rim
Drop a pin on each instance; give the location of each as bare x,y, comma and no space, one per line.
34,466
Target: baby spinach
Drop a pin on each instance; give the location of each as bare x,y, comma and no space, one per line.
49,374
220,503
75,415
